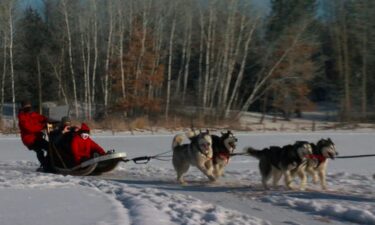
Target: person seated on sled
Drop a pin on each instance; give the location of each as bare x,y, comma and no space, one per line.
31,125
62,137
83,147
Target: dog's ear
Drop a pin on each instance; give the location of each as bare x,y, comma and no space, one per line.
207,131
221,133
329,139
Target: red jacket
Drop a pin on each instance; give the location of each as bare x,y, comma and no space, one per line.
31,125
84,148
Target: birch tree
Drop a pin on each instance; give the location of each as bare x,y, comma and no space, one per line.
265,75
4,41
11,63
170,61
106,88
70,54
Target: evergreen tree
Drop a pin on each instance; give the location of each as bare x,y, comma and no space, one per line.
33,79
285,13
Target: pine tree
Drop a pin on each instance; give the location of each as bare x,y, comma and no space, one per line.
34,81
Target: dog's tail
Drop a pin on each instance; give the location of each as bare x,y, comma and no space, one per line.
177,140
253,152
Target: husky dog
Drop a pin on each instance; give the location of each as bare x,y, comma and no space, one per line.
317,162
198,153
222,148
277,161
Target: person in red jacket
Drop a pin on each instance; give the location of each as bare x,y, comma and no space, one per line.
83,147
31,125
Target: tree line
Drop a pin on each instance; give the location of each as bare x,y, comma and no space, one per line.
163,57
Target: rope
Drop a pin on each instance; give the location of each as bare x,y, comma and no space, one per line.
160,154
354,156
146,159
243,153
338,157
53,148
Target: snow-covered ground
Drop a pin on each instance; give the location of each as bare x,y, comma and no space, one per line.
148,194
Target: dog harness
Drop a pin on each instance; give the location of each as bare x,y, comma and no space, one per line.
320,158
222,155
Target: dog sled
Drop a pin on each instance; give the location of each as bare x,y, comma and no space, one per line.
98,164
94,166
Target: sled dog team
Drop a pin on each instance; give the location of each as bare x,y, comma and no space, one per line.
211,153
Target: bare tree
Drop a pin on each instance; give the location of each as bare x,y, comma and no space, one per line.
235,89
69,37
106,88
4,41
10,16
170,60
263,77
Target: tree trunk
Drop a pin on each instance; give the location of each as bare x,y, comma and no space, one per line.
207,60
347,72
95,62
143,49
57,72
170,60
225,73
121,52
187,61
85,47
3,75
11,64
200,61
40,91
241,72
108,55
261,80
364,63
182,67
66,18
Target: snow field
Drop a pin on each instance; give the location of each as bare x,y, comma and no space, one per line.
148,194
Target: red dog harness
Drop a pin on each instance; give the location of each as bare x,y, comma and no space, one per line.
320,158
224,156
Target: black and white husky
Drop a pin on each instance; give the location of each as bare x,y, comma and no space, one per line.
197,153
222,147
276,161
316,165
